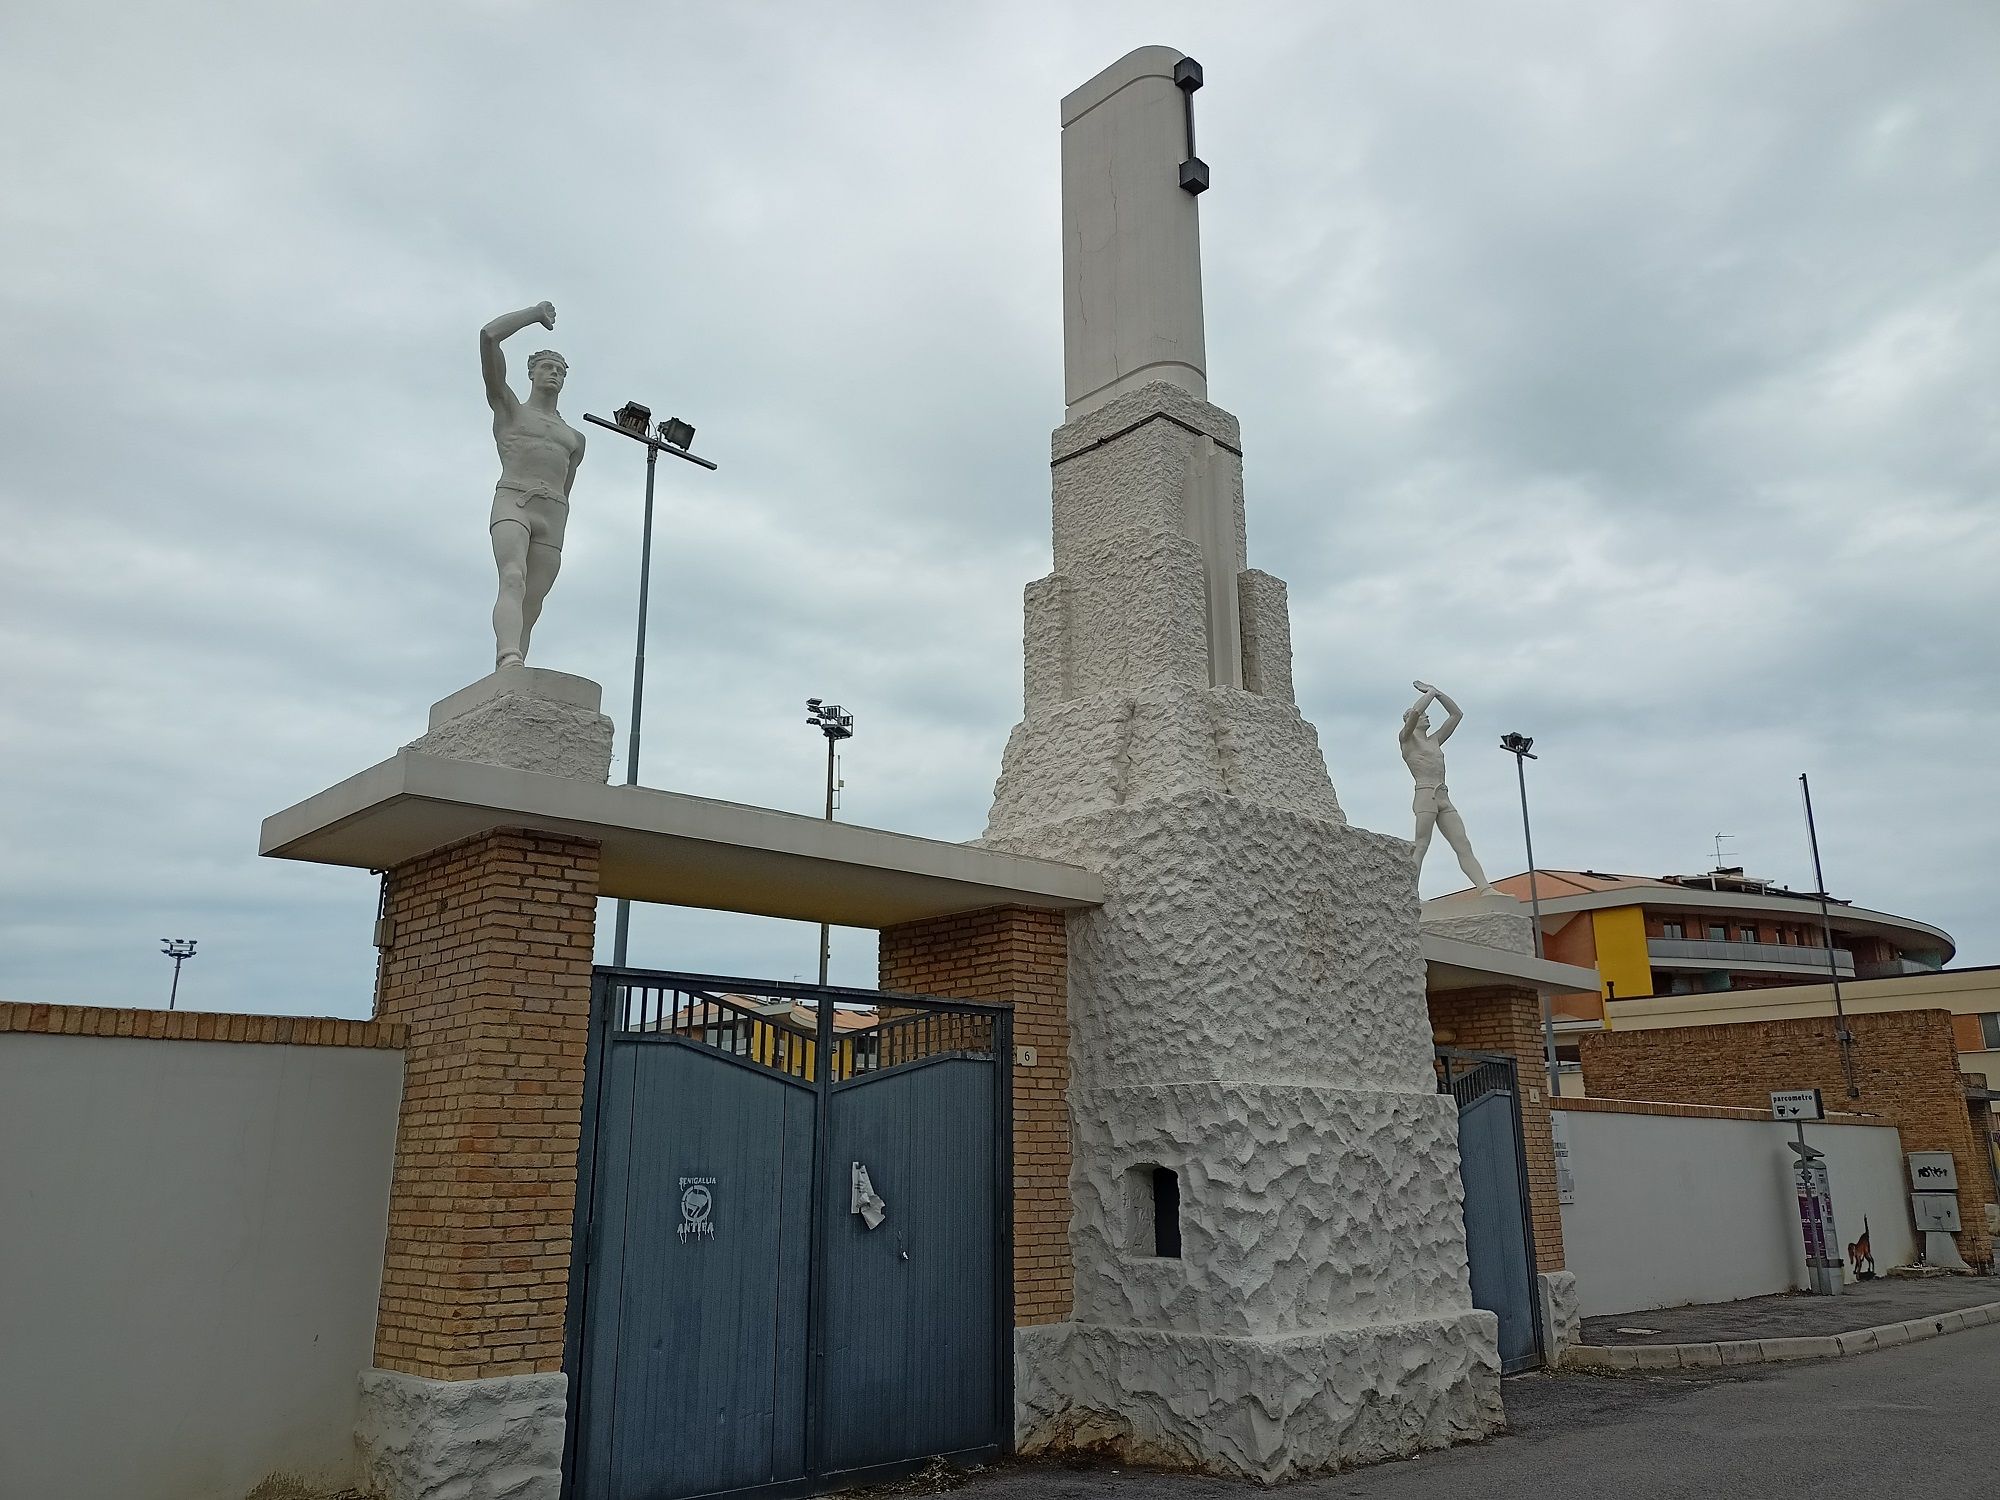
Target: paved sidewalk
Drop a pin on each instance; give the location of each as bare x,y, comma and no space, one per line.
1867,1304
1915,1421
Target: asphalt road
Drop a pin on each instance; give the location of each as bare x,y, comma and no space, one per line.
1915,1420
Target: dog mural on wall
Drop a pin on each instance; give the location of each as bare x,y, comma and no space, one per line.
1861,1256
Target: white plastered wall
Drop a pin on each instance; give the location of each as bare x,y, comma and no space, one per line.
1670,1210
190,1254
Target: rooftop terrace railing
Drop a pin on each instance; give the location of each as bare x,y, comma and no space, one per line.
1720,955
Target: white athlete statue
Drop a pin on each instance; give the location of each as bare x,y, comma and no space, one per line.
1423,753
539,453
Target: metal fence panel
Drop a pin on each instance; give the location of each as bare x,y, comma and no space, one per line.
1497,1248
910,1326
734,1328
698,1349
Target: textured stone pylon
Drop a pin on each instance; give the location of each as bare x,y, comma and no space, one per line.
1266,1229
1246,1009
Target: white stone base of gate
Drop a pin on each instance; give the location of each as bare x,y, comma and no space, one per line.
1562,1315
1266,1409
495,1439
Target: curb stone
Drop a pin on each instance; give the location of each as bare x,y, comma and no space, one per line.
1776,1351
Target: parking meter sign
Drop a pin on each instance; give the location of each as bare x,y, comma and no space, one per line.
1797,1104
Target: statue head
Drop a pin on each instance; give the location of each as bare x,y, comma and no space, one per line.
546,371
1424,722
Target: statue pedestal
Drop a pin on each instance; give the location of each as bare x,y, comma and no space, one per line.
526,718
1495,920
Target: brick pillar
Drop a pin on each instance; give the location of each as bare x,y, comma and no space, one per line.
488,964
1507,1019
1017,957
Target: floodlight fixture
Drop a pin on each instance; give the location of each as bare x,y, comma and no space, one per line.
633,418
830,719
677,434
180,950
1519,744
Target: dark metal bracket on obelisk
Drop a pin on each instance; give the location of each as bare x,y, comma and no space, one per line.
1194,171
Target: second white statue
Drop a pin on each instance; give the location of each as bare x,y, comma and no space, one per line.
1423,753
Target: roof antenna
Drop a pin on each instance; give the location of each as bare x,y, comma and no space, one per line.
1720,840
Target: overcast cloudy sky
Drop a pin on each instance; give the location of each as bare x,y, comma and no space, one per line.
1632,371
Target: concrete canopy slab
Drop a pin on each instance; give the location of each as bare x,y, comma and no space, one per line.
1454,965
671,848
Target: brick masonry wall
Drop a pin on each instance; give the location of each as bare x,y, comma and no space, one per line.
489,969
1906,1064
197,1026
1509,1020
1021,958
1689,1111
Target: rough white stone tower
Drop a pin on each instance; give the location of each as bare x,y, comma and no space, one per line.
1248,1026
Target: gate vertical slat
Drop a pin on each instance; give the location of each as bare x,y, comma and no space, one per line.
823,1070
910,1354
1003,1228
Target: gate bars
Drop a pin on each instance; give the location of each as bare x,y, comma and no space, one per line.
1469,1077
756,1021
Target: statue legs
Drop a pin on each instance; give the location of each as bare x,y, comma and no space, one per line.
543,563
510,616
1453,827
1431,817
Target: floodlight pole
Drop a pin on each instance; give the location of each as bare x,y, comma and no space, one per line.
837,724
826,928
1521,747
1840,1031
636,419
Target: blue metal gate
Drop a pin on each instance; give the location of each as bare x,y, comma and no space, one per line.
793,1265
1499,1224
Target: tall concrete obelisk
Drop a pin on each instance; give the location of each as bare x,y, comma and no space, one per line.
1268,1246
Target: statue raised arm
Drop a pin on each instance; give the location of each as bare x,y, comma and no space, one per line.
539,455
1423,753
493,364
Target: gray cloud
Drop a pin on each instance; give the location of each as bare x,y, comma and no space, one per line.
1631,371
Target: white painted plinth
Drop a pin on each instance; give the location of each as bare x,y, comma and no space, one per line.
525,718
1278,1408
494,1439
1495,920
1562,1314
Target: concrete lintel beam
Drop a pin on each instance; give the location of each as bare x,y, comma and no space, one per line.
1454,965
671,848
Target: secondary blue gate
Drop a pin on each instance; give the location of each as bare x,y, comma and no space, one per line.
793,1265
1499,1227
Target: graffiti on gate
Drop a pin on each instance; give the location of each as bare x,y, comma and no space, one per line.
697,1209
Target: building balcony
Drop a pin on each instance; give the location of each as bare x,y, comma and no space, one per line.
1693,953
1895,968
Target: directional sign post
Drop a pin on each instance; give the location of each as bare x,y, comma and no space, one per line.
1814,1189
1797,1104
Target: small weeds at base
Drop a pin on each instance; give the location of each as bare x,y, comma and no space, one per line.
934,1478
